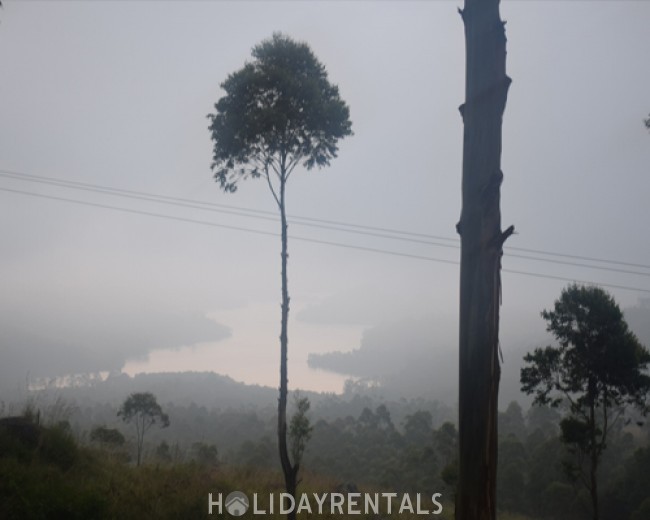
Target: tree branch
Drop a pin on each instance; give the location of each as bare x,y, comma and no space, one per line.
292,164
268,180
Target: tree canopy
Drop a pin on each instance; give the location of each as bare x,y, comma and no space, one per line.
598,368
279,111
300,429
143,410
598,358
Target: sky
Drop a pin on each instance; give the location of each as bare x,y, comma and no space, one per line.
115,94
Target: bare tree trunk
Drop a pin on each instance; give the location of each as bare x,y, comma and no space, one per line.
593,470
290,472
486,90
139,430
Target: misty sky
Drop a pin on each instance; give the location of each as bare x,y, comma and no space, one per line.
116,94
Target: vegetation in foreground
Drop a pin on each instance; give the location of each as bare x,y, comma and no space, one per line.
45,474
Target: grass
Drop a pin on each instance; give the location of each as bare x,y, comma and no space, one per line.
57,479
99,487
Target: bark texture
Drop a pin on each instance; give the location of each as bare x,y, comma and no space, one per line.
486,91
289,470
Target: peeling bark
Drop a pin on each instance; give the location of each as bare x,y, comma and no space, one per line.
486,90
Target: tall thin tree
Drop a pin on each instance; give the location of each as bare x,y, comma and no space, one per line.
279,112
486,88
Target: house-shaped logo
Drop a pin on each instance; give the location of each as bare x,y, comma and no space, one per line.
236,503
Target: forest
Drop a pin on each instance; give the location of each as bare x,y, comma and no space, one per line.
360,440
116,323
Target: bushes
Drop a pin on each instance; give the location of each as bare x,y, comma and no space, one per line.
57,447
43,491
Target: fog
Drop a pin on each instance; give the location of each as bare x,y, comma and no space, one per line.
115,94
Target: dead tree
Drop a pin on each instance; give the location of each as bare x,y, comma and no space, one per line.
486,88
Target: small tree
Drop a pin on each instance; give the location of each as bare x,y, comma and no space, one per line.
300,429
143,410
279,111
598,368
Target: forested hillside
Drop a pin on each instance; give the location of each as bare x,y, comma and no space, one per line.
359,439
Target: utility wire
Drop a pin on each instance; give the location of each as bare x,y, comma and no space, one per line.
303,239
224,226
17,175
208,206
314,222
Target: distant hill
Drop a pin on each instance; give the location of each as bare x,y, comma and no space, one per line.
214,391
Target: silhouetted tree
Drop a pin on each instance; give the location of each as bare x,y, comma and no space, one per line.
486,89
143,411
279,111
300,429
511,422
205,454
542,420
647,123
109,437
511,473
598,368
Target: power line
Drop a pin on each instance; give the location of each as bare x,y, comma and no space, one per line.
304,239
577,257
573,280
576,264
225,226
206,206
107,189
316,222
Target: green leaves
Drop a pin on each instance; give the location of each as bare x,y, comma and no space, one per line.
279,111
598,367
143,411
597,358
300,429
143,406
543,375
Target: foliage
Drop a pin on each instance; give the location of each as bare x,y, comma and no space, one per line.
630,491
445,441
598,360
101,487
511,422
205,454
279,110
58,447
511,484
107,436
445,446
371,450
598,368
300,429
143,411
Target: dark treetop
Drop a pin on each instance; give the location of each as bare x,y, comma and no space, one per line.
279,111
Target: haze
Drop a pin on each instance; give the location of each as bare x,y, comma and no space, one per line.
116,94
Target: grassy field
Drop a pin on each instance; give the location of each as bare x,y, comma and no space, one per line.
97,486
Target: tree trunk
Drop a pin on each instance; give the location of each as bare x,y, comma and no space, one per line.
593,488
139,430
290,471
486,90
